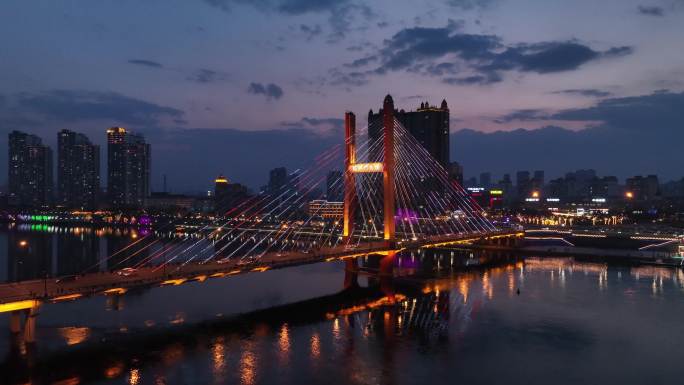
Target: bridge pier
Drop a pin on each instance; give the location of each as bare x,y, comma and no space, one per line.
386,274
15,322
28,326
351,273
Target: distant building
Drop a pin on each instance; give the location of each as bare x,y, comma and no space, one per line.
30,171
523,184
538,180
128,168
78,170
277,179
456,172
228,195
643,188
325,209
485,179
166,201
506,187
428,124
334,186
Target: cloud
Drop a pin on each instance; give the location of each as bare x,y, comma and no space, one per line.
558,150
271,91
70,106
658,112
146,63
487,78
590,92
446,51
310,31
342,14
470,4
298,7
328,125
205,76
362,62
523,115
549,57
651,10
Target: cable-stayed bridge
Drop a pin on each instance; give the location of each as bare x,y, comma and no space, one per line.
396,197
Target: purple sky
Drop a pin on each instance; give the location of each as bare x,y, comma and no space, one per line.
160,65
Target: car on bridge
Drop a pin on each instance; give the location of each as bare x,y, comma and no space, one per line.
66,278
246,261
127,272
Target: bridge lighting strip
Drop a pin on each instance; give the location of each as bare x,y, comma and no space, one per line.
18,305
68,297
366,167
117,290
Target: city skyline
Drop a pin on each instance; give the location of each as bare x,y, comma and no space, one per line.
606,84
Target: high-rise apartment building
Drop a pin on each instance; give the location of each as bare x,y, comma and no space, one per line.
30,170
78,170
128,163
428,124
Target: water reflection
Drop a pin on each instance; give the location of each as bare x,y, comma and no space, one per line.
248,364
445,320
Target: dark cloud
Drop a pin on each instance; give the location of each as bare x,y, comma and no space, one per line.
523,115
271,91
447,50
146,63
205,76
590,92
659,112
69,106
348,79
310,31
557,151
362,62
651,10
479,80
298,7
413,97
549,57
332,125
342,14
470,4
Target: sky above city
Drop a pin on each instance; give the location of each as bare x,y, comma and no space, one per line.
572,83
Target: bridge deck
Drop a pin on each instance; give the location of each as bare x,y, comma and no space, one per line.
22,295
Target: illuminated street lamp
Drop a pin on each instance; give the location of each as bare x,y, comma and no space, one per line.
629,195
23,243
535,194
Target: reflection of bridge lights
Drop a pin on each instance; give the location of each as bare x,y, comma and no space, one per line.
284,343
134,377
248,366
74,335
114,370
315,346
218,357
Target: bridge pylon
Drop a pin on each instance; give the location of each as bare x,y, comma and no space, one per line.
349,179
387,168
